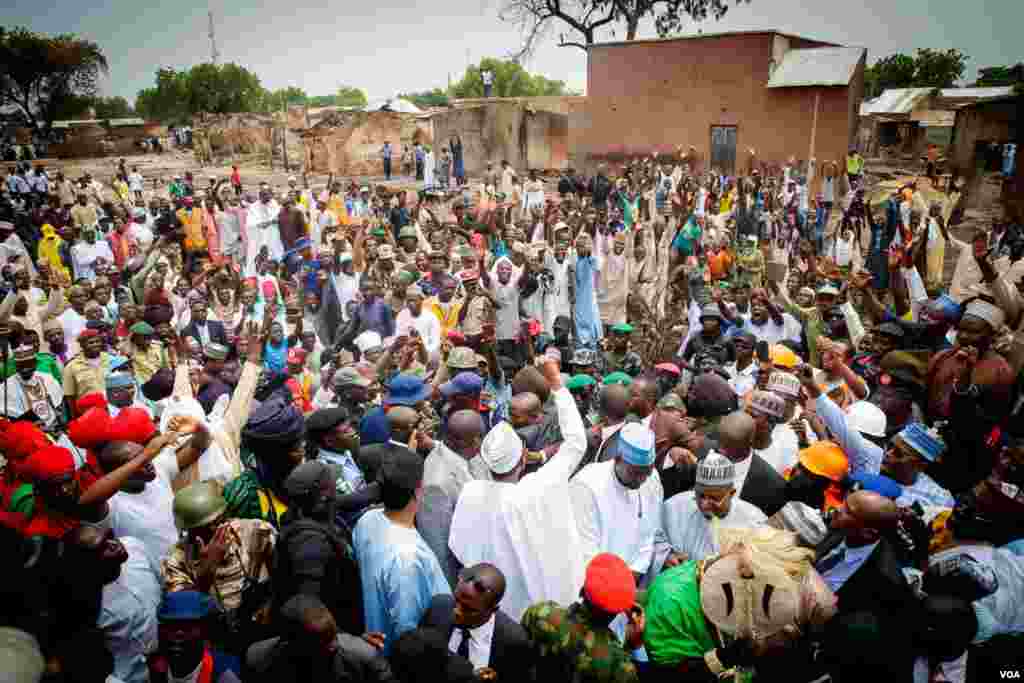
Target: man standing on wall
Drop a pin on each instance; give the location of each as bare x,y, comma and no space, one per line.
386,154
487,76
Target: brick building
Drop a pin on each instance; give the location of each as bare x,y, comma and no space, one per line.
724,94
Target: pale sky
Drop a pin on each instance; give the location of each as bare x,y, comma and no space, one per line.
385,47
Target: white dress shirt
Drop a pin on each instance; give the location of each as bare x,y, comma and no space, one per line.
848,566
479,643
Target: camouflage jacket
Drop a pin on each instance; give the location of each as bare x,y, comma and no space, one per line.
572,650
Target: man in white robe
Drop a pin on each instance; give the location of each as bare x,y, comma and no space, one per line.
617,503
691,518
262,228
524,525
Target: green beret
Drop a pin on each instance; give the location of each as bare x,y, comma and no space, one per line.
579,381
617,377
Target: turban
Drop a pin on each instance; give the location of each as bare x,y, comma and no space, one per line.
825,459
47,463
93,400
92,429
609,584
716,470
990,313
637,444
502,449
133,424
274,422
22,438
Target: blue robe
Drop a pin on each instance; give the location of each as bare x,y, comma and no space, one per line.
400,575
588,318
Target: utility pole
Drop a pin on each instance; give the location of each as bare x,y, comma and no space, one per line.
284,131
214,53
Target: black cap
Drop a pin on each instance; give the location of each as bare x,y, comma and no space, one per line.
891,329
401,469
327,418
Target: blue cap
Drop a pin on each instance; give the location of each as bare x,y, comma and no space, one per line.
879,483
636,444
118,362
406,390
120,380
185,605
463,383
926,442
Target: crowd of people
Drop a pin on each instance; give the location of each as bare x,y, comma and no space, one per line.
656,424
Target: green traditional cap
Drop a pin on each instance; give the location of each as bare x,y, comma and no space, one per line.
215,351
142,328
579,381
617,377
622,328
407,231
377,232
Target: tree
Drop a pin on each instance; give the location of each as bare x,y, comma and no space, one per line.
350,97
37,72
113,108
585,18
938,68
205,88
438,97
283,97
927,69
510,80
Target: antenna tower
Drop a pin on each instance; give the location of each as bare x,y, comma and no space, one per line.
214,53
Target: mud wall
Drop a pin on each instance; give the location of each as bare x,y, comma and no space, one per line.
350,143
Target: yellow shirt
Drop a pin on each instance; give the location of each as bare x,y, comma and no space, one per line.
82,376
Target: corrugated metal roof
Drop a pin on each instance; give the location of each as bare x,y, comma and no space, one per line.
711,34
127,122
977,93
894,101
816,66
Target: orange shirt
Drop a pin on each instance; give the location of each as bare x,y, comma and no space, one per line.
719,263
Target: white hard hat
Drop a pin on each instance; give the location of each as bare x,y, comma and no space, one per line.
867,418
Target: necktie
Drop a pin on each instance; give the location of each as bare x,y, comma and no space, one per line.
829,562
463,649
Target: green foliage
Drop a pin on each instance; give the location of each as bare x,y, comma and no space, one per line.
282,97
438,97
39,72
205,88
927,69
510,80
670,16
113,108
996,76
350,97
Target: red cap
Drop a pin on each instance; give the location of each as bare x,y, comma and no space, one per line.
93,400
85,334
609,584
456,337
668,367
133,424
92,429
20,439
47,463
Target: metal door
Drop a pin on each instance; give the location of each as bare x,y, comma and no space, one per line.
723,148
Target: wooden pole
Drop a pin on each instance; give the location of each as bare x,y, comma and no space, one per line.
814,134
284,132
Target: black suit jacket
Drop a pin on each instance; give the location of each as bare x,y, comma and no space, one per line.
216,329
764,488
511,651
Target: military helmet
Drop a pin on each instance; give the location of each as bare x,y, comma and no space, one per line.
462,358
198,504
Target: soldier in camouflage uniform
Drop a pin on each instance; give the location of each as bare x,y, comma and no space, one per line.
574,644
